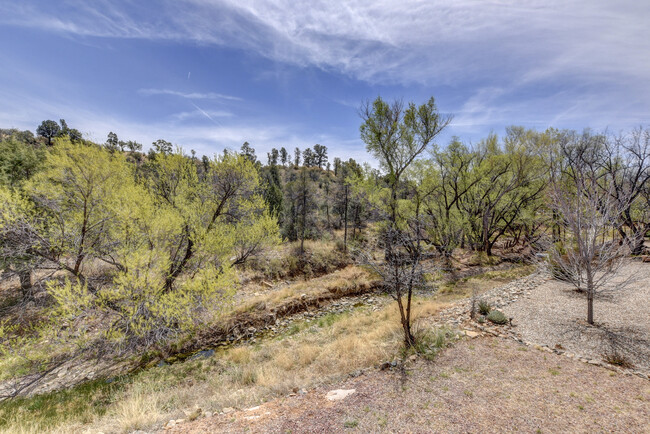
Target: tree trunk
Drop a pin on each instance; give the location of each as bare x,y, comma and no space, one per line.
637,243
304,224
345,213
485,233
393,204
406,324
177,268
25,277
590,299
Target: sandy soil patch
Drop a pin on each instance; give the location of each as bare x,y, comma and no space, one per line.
480,385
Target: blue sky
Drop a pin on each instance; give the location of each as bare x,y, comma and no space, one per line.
209,74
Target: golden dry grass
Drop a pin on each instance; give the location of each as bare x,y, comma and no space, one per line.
140,410
338,282
247,375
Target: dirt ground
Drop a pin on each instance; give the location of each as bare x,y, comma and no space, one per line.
481,385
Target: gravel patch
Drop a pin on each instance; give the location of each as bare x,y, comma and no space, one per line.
554,314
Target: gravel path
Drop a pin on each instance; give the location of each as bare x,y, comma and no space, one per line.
489,385
554,314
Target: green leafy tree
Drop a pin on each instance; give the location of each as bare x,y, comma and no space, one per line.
320,156
48,129
161,146
511,178
112,142
284,156
296,157
249,152
308,158
396,137
18,161
273,190
273,157
170,243
133,146
75,135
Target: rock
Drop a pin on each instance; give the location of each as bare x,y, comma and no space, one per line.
339,394
267,284
207,414
471,334
227,410
303,296
593,362
385,365
257,407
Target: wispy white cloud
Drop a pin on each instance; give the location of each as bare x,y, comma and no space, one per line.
538,62
198,113
384,40
188,95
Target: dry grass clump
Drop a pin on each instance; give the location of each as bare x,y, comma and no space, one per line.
139,410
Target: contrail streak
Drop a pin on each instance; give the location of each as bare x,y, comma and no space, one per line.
206,114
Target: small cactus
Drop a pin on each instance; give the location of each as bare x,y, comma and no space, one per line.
484,307
497,317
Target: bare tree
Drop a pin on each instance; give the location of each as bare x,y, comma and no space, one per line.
589,211
626,161
402,270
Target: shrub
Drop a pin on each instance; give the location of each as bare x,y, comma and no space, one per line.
497,317
428,342
558,257
617,359
558,272
484,307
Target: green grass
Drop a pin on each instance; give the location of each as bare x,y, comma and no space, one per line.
329,319
79,404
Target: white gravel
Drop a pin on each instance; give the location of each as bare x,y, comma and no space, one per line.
554,314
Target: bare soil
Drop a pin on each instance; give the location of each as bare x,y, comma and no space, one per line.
481,385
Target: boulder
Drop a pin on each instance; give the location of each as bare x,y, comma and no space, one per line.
339,394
